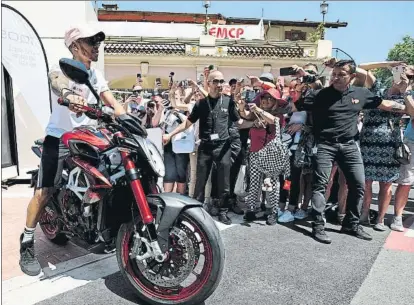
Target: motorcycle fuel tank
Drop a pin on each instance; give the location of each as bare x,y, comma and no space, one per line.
92,137
86,143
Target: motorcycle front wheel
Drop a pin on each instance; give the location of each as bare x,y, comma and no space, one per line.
192,270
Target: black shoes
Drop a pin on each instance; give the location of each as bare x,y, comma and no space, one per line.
211,208
319,234
271,219
250,216
271,216
356,231
223,218
237,210
28,261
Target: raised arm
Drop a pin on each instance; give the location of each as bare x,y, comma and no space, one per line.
408,108
380,64
177,104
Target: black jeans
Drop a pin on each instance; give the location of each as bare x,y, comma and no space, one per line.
218,152
239,161
295,173
349,160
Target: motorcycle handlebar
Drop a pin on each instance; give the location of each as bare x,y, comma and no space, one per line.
63,102
108,111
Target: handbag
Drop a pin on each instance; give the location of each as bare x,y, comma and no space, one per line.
402,151
241,188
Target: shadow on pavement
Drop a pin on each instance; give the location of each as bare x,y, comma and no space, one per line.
116,284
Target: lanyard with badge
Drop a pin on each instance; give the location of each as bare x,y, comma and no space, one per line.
214,117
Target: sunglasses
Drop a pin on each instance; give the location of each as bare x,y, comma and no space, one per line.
268,98
137,92
91,41
217,81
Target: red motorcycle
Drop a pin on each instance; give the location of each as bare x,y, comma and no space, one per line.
168,247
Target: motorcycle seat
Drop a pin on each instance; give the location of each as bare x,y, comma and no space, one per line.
39,141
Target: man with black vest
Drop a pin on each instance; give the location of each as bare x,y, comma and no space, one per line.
216,113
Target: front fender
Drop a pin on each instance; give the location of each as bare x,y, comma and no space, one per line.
169,206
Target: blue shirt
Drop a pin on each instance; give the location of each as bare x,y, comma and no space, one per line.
409,131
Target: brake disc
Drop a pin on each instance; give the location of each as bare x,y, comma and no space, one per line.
178,265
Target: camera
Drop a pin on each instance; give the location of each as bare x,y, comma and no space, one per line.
248,95
172,74
184,83
139,75
310,79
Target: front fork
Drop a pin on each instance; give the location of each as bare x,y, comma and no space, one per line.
133,175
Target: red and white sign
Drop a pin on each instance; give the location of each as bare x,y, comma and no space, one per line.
221,32
182,30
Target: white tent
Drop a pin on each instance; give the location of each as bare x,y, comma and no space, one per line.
26,101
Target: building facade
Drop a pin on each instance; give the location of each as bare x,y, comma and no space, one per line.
155,44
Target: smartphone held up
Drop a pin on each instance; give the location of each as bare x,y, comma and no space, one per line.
288,71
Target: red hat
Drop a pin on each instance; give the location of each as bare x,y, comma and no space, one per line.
276,94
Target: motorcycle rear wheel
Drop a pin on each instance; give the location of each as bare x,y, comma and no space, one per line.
213,257
50,227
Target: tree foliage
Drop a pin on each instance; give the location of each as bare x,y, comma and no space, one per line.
317,34
403,51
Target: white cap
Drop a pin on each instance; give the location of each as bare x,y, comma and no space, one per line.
82,31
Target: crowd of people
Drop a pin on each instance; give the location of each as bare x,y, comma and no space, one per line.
269,147
259,146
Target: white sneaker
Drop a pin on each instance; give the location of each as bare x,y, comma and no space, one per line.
286,217
397,224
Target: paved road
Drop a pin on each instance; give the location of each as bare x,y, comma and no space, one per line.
280,265
269,266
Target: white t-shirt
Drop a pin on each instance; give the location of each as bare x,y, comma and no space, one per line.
62,119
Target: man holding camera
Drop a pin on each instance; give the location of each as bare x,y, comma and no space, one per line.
216,114
133,103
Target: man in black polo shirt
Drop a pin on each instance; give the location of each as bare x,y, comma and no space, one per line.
216,113
335,112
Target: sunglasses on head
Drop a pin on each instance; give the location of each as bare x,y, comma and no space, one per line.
217,81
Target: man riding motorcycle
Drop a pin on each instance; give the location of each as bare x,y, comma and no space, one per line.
83,42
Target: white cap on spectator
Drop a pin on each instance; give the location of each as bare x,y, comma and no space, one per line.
267,77
82,31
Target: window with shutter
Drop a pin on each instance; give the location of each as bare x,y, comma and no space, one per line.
295,35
